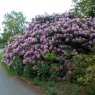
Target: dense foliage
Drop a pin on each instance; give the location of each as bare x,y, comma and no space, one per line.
84,8
83,71
49,44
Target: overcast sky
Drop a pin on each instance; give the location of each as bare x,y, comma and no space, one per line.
30,8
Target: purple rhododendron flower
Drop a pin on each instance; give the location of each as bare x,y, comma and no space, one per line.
58,34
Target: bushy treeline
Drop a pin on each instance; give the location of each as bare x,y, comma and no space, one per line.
46,48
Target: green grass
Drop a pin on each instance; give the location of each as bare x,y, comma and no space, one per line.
58,88
7,69
48,87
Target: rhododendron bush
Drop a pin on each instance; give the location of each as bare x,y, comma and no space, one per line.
52,40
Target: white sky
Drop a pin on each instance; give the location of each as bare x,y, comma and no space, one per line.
30,8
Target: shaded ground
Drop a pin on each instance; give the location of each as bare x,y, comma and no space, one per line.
11,86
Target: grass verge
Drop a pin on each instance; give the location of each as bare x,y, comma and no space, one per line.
58,88
7,69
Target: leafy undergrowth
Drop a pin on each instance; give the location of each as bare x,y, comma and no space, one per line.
59,88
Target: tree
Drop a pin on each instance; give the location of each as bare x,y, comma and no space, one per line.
84,8
14,23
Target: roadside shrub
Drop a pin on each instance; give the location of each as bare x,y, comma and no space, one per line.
83,71
51,88
89,77
52,39
17,66
52,91
53,72
69,90
28,71
43,71
50,57
90,90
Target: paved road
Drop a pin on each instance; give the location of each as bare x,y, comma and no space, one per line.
11,86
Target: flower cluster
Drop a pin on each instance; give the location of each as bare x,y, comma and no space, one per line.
52,34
